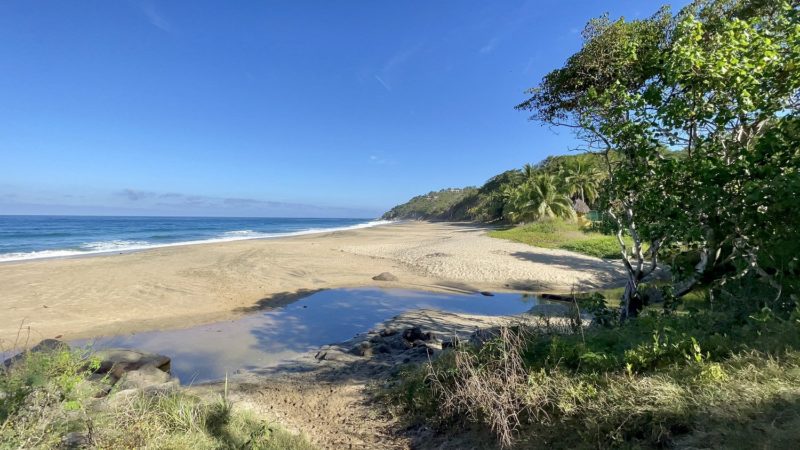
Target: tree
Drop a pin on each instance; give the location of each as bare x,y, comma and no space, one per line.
528,172
730,80
538,198
580,180
591,95
700,109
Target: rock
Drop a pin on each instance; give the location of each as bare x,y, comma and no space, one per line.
119,400
142,378
421,351
487,294
330,354
399,344
47,345
415,333
383,348
557,297
116,362
419,343
75,440
452,343
386,332
385,276
362,349
479,337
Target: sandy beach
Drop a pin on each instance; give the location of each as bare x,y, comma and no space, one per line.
182,286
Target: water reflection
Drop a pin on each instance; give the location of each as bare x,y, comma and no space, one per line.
267,338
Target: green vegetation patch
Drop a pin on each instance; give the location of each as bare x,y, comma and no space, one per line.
563,235
438,205
697,377
50,397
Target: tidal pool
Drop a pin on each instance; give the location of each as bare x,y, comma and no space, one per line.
268,338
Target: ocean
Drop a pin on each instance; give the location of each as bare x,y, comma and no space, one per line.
32,237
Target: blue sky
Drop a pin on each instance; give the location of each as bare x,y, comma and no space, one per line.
290,108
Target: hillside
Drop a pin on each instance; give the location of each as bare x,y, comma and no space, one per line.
489,202
435,205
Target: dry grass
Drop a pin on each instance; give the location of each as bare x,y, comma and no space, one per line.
689,397
486,391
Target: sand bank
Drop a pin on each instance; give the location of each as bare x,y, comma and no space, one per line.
183,286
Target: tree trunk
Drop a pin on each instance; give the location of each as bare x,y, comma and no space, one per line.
632,302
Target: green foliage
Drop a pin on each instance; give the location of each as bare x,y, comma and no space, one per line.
600,246
50,393
538,197
596,305
581,180
563,235
58,372
534,192
693,376
697,116
439,205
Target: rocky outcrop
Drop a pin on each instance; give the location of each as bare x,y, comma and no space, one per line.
118,369
116,362
385,276
406,346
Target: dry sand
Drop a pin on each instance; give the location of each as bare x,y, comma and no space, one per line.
187,285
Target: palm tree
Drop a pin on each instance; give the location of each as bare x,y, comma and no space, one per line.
581,180
528,172
538,198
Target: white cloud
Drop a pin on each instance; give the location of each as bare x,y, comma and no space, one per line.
383,83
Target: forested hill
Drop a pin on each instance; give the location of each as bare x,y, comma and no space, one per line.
435,205
514,195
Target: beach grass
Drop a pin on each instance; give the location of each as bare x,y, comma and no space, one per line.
564,235
48,400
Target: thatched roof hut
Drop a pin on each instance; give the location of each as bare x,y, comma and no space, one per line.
580,207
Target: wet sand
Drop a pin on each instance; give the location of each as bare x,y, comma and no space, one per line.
183,286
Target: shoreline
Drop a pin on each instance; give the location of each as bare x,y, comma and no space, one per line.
218,240
183,286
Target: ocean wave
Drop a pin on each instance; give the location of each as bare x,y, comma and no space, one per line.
110,246
244,233
100,247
